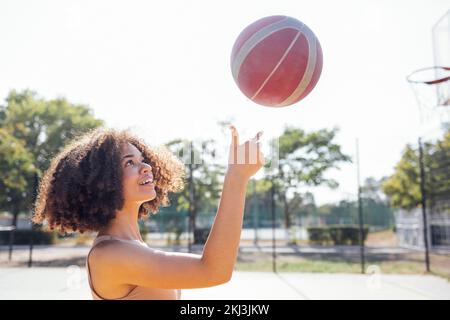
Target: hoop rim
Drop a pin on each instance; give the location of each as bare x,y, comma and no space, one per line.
431,82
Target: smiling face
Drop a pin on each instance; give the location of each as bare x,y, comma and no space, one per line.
137,180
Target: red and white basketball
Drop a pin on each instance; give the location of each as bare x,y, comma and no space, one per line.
276,61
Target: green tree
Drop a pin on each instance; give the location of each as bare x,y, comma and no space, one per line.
403,187
43,127
16,172
199,157
303,160
438,174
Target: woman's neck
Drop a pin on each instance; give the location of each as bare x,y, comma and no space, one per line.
123,226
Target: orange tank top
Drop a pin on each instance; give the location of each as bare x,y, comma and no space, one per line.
138,292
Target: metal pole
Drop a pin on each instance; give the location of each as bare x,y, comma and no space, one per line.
35,191
360,213
11,241
255,213
30,256
191,199
424,205
274,246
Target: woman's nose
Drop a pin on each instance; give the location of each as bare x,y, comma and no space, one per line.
146,168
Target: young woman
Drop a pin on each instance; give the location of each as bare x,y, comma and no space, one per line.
108,179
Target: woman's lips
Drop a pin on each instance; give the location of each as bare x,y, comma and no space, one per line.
148,185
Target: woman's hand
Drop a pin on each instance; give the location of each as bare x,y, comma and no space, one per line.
246,159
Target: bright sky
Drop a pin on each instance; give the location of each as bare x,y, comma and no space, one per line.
162,69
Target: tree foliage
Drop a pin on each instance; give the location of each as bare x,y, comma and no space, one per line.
403,186
303,160
38,129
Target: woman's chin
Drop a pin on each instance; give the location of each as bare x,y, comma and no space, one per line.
151,195
143,193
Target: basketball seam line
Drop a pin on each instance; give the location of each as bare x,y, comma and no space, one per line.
259,36
278,64
309,71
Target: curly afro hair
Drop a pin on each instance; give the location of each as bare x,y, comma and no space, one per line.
82,188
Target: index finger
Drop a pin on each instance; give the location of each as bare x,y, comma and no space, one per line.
234,136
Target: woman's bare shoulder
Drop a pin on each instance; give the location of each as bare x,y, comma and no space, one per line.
102,273
113,253
109,249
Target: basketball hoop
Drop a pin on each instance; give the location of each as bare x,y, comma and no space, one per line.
431,87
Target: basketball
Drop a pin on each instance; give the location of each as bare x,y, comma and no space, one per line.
276,61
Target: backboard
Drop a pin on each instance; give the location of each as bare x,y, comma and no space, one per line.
431,84
441,49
